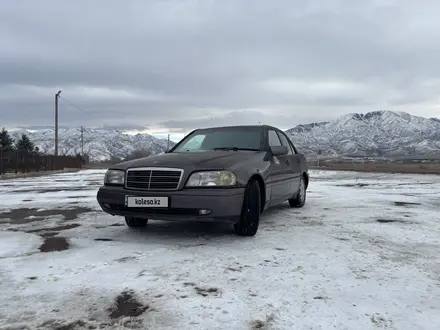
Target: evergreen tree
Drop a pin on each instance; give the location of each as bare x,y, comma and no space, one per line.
6,142
24,144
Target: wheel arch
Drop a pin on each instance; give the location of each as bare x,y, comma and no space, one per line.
262,185
306,179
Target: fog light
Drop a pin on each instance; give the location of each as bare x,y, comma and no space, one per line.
204,212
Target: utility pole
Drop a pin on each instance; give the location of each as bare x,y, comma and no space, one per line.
57,95
168,143
82,141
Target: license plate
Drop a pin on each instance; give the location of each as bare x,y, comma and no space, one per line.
134,201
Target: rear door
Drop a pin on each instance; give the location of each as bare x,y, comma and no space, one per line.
292,164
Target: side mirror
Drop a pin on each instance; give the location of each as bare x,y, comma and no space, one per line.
279,150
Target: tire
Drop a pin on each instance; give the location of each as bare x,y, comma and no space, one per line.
133,222
300,198
250,212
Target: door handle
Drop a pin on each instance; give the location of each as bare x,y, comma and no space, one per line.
287,162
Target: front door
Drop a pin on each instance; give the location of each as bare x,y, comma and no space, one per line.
293,166
280,171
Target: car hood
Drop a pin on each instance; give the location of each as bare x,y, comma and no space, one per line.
192,160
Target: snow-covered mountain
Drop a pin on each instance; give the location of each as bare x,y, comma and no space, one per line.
99,144
377,133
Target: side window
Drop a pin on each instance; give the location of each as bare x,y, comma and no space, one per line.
274,140
286,143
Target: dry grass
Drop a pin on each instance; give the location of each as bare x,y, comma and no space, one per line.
382,167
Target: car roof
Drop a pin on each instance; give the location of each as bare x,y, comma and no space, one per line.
238,126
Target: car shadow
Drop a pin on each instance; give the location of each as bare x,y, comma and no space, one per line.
195,231
181,230
278,208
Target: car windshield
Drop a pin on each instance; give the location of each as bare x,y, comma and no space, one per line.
229,138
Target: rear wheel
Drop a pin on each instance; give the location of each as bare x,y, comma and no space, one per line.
250,213
300,198
133,222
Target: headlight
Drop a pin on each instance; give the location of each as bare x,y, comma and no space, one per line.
114,177
212,178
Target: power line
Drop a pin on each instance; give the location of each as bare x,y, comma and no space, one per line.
89,113
79,108
57,96
82,141
73,105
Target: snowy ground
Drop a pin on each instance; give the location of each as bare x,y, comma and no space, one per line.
362,254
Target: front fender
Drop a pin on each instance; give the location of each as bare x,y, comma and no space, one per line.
244,174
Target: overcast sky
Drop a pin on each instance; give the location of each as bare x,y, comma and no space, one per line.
173,65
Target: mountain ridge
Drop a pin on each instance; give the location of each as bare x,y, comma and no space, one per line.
381,133
376,133
99,144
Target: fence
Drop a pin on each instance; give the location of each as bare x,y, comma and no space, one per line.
26,162
381,167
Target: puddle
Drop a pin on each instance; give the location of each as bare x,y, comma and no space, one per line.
54,244
57,228
28,215
405,203
396,221
126,305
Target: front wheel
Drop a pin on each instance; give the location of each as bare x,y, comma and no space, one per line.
300,199
250,213
133,222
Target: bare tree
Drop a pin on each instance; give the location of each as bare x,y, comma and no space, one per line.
65,150
44,149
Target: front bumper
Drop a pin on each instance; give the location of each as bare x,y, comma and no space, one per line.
225,204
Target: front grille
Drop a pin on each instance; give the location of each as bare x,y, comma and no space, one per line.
153,179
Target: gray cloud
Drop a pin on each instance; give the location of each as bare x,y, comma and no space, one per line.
181,64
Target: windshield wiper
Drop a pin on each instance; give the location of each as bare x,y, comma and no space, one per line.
236,148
